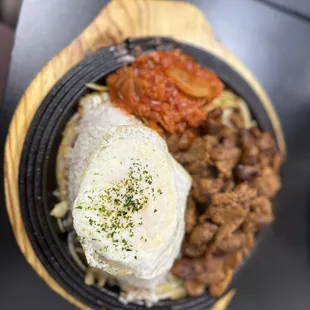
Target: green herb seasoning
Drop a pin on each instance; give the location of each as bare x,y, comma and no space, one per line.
129,196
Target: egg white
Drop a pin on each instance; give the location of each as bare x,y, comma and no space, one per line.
99,115
92,155
156,243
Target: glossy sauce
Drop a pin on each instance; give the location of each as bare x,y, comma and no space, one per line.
166,89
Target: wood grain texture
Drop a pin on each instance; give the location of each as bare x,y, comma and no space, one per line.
117,21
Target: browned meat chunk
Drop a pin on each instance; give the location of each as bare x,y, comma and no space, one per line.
250,155
246,173
182,142
187,139
229,132
267,184
195,287
210,186
193,251
197,151
259,148
246,251
246,137
225,158
228,186
240,195
234,259
215,114
202,233
227,207
204,187
196,159
226,230
237,118
173,143
213,269
197,168
233,242
264,141
212,127
186,268
261,212
213,124
224,214
218,288
214,262
249,227
190,215
212,277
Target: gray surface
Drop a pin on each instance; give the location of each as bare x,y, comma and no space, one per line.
296,6
275,46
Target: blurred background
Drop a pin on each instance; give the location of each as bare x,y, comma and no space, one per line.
9,11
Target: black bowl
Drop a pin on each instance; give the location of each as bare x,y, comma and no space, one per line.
37,179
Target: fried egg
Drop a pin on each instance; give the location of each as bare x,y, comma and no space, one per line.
98,116
129,201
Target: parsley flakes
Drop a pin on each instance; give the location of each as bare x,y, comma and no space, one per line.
128,196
